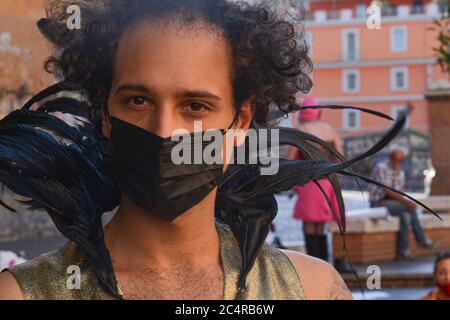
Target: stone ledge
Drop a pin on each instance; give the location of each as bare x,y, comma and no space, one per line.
438,89
438,203
390,224
381,246
368,224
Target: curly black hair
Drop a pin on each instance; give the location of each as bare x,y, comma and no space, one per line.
270,56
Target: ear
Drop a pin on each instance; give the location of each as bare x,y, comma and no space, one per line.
244,121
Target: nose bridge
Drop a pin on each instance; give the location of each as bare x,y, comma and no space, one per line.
163,121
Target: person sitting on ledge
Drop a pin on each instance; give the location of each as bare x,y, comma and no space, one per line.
392,175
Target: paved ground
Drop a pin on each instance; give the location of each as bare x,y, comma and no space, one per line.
30,248
289,230
421,265
392,294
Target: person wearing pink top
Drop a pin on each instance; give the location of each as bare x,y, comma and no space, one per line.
312,207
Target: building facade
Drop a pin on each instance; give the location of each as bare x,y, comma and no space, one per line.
22,53
385,67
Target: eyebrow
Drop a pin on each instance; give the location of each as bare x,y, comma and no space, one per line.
180,94
136,87
197,94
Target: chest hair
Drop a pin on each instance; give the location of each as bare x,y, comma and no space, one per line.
174,283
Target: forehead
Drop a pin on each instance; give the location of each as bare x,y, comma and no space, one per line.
397,154
175,53
444,264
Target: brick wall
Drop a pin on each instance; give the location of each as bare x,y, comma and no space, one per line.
22,52
381,246
439,115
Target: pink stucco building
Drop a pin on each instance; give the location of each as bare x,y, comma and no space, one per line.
383,68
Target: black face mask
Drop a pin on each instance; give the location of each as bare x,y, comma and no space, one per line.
144,171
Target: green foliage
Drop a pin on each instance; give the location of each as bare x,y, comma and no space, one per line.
442,51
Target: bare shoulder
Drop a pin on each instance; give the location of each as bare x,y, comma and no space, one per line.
9,288
319,279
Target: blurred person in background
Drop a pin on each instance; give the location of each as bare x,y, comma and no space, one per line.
441,278
391,174
312,207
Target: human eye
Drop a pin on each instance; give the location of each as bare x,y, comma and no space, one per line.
136,102
196,108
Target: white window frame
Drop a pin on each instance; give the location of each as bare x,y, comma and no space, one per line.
399,108
358,7
346,123
404,46
345,53
345,84
394,71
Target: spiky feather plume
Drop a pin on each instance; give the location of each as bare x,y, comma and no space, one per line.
52,157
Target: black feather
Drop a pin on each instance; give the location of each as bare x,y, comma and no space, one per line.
59,168
244,188
337,107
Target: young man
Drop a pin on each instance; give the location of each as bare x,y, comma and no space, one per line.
150,68
392,175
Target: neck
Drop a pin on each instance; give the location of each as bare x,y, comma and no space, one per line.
138,240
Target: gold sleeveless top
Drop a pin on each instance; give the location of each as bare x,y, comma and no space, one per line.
273,277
